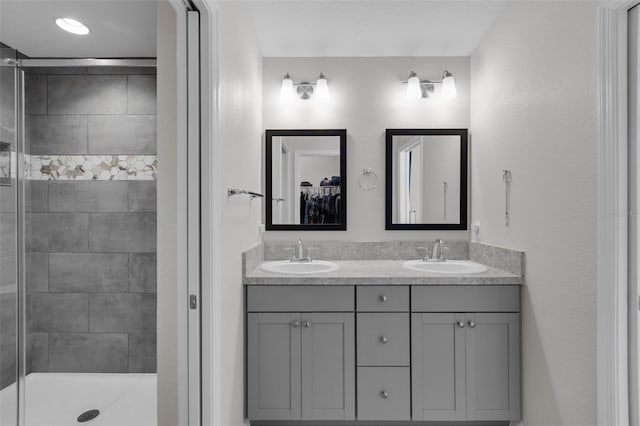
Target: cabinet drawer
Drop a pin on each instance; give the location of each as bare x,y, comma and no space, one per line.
383,339
382,298
463,298
384,393
296,298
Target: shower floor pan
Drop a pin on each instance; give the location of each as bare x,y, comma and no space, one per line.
58,399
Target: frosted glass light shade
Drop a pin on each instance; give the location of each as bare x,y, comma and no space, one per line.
448,86
286,90
413,87
322,88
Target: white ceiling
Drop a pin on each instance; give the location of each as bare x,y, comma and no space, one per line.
119,28
127,28
372,28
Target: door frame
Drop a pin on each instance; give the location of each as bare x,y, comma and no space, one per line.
612,276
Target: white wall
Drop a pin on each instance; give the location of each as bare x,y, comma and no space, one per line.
167,217
533,111
366,97
240,140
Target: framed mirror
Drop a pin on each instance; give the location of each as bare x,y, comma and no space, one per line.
426,179
306,174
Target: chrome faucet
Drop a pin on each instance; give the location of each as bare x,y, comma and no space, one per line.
437,255
298,253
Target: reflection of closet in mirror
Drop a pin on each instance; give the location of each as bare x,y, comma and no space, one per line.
305,185
426,179
427,168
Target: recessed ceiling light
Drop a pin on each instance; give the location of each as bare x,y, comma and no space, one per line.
72,26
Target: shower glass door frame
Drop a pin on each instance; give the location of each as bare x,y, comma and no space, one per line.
21,176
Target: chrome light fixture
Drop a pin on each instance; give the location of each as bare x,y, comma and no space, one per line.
304,89
417,88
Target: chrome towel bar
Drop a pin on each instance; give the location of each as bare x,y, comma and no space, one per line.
233,191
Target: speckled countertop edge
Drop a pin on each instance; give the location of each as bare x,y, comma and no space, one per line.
381,272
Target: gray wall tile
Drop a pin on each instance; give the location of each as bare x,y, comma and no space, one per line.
7,234
59,312
85,352
8,318
142,273
122,312
7,365
141,94
37,353
57,134
88,196
87,94
88,272
143,196
122,134
35,94
37,272
59,232
8,197
8,273
142,353
122,232
38,199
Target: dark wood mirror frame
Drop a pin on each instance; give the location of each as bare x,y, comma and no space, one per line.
270,226
462,225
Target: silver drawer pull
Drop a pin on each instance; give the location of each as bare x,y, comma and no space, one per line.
460,324
306,324
382,298
384,340
384,394
471,324
295,324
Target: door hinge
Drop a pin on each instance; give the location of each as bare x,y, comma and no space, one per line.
193,301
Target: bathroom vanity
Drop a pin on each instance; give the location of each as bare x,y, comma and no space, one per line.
377,341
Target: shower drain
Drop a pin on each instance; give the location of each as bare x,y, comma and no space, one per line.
88,415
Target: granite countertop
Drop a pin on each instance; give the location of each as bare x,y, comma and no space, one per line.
380,272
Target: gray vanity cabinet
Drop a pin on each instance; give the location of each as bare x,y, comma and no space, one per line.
466,366
300,365
274,366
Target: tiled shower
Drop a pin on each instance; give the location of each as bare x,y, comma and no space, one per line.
78,217
91,222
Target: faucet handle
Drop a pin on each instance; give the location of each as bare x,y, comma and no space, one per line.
309,251
426,252
293,252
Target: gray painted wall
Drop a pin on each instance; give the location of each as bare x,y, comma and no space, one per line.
91,290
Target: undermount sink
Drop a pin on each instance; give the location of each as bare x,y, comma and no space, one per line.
299,268
453,267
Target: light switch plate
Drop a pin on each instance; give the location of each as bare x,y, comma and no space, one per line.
475,231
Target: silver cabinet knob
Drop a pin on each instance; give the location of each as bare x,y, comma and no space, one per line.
460,324
306,324
383,340
382,298
295,324
384,394
471,324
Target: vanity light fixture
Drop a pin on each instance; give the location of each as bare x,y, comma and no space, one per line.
72,26
417,88
304,89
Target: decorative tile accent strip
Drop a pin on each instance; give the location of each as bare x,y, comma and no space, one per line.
91,167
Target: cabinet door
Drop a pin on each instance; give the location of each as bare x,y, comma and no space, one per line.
438,366
328,366
493,366
273,366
